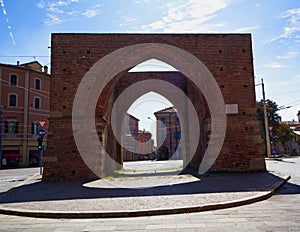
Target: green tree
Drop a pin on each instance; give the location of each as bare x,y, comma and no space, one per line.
283,134
273,117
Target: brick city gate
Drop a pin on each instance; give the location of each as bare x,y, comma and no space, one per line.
227,57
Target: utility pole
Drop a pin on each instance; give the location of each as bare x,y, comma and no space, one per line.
266,121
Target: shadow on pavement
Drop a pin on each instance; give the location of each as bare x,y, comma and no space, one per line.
215,183
289,188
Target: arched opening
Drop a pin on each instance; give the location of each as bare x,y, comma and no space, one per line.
166,145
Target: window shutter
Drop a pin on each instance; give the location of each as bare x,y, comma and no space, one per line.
17,128
6,127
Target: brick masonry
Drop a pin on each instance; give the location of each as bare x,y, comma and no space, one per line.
227,56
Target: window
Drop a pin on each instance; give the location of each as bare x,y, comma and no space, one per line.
11,127
177,120
163,136
13,80
37,84
162,122
37,103
12,98
34,128
177,135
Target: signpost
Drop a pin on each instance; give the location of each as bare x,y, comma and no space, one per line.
42,123
41,133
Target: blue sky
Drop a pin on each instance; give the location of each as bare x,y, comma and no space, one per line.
26,26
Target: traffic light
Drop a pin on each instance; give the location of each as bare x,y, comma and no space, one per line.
40,143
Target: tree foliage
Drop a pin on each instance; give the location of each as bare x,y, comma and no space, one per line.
273,116
283,133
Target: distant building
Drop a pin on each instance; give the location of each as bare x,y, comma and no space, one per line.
130,136
168,133
24,91
145,145
138,144
294,143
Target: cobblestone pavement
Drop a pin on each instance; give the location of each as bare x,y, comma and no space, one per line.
279,213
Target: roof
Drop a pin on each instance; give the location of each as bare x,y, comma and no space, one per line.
31,63
131,116
167,110
297,132
26,67
293,123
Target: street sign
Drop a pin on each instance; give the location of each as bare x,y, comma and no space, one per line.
42,123
42,132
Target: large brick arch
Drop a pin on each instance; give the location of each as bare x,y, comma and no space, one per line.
227,57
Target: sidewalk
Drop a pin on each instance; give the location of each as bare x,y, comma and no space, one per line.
127,196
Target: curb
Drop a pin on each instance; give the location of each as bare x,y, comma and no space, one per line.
152,212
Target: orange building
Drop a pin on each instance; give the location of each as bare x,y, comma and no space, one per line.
145,145
24,91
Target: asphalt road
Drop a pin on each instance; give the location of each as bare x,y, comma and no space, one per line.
279,213
288,165
12,177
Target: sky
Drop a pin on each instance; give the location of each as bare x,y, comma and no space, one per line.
26,27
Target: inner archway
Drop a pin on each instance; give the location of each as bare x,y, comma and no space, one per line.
141,118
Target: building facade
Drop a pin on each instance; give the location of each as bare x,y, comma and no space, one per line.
168,133
294,144
24,91
145,145
130,136
137,144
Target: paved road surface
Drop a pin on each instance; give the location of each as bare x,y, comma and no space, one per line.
279,213
12,177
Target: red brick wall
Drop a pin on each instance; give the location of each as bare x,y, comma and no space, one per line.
227,56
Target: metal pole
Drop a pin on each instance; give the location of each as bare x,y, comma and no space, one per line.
40,161
171,138
176,139
1,137
266,121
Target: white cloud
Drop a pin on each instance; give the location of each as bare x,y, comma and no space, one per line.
126,19
141,1
11,35
274,65
92,11
247,29
189,16
53,19
59,11
288,55
293,24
